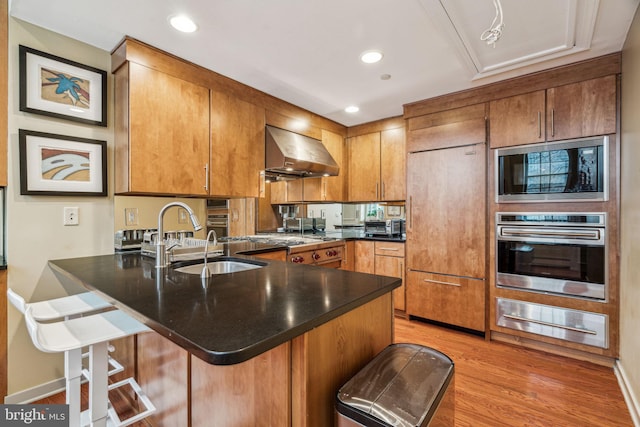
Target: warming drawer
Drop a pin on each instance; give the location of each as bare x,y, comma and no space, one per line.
562,323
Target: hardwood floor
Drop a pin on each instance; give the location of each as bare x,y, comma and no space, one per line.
502,385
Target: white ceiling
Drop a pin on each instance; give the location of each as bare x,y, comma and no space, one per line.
307,51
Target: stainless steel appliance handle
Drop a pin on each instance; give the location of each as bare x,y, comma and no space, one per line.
565,234
438,282
555,325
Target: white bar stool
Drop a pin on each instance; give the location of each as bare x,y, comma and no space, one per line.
94,331
64,308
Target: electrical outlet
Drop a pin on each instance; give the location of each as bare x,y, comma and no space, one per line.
131,216
71,216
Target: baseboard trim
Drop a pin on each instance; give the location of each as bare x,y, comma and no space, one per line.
629,396
36,393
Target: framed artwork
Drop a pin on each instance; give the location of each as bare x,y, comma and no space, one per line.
58,165
56,87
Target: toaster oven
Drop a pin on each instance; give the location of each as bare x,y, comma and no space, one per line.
389,227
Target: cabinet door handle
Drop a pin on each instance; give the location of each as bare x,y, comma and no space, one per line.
438,282
390,249
206,177
554,325
410,212
377,193
539,124
553,122
382,191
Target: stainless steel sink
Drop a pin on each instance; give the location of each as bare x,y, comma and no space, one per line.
220,267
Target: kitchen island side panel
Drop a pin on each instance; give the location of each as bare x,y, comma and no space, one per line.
326,357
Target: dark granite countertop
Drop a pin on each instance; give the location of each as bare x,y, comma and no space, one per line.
233,317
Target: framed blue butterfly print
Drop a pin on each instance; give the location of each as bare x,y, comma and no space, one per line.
57,87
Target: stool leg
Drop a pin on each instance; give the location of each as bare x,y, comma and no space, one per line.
98,385
73,376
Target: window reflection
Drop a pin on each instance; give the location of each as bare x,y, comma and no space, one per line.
547,171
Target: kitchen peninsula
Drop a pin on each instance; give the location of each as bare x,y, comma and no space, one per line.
268,346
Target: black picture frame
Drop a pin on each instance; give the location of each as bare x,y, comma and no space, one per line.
57,87
60,165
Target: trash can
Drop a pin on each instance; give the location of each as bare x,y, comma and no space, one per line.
404,385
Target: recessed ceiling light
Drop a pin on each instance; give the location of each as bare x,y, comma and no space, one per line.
352,109
183,23
371,56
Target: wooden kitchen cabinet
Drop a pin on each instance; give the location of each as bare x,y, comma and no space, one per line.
377,166
364,164
575,110
448,299
517,120
446,218
242,220
384,259
364,257
446,212
582,109
330,188
392,164
162,133
389,261
237,147
278,191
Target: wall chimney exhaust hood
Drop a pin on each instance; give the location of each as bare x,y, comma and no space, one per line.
292,155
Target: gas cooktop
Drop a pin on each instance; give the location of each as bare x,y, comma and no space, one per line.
282,239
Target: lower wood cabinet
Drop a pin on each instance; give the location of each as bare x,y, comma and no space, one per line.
384,259
454,300
389,261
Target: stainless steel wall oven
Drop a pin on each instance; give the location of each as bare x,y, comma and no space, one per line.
557,253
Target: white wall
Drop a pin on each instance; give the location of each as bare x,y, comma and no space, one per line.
630,214
35,233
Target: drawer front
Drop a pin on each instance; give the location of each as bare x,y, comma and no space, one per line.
562,323
448,299
389,248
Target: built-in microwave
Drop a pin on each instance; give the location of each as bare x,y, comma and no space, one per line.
574,170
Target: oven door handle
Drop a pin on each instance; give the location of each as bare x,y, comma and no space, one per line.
554,325
562,234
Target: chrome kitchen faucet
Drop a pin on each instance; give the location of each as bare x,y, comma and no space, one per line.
161,252
205,270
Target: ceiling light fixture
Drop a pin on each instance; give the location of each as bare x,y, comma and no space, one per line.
183,23
371,56
493,33
352,109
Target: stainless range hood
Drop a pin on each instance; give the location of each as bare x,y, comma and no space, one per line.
289,154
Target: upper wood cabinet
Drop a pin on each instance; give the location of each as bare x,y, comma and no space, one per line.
162,133
237,147
330,188
377,166
575,110
582,109
517,120
278,190
392,164
451,128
